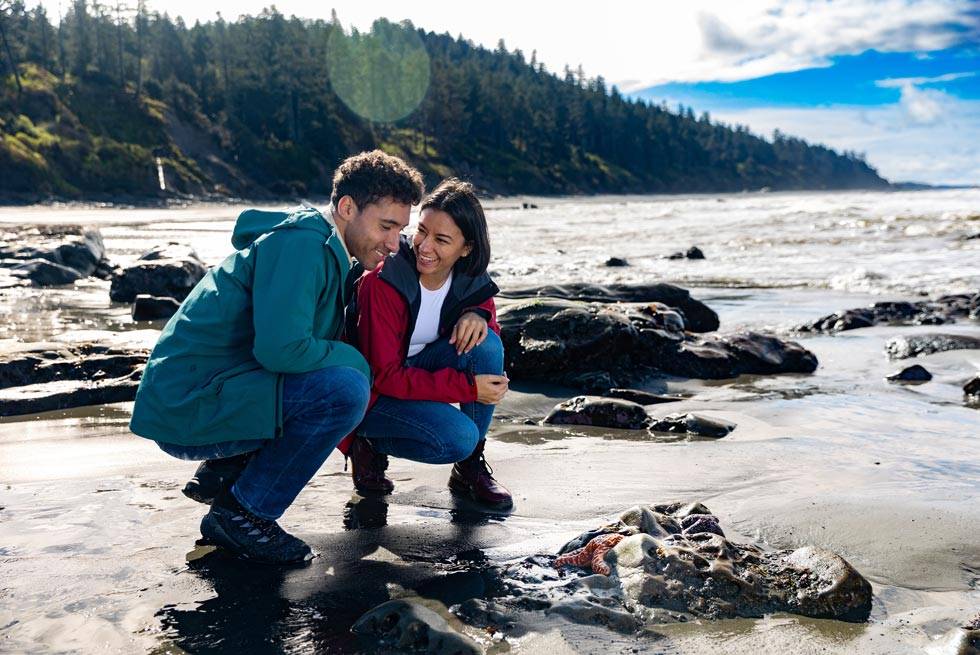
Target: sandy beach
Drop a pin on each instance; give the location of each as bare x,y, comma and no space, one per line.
97,544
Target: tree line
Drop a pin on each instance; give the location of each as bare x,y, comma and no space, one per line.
91,99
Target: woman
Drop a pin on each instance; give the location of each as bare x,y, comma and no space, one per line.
426,323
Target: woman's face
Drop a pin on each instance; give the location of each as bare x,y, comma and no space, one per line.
438,244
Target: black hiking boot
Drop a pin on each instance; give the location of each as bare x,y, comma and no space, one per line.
231,526
214,476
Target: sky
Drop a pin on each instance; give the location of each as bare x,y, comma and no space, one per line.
898,80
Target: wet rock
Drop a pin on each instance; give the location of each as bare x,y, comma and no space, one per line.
964,640
589,612
944,309
411,627
691,253
596,347
600,412
914,373
691,424
641,397
616,262
663,565
698,316
972,387
169,271
59,376
927,344
151,308
53,255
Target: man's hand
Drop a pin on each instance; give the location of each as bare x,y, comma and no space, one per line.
490,389
470,331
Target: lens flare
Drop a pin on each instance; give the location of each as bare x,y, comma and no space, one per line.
381,75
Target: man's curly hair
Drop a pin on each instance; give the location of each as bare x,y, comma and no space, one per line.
372,176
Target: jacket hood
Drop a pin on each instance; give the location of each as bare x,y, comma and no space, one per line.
253,223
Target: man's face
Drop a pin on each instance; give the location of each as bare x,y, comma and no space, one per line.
372,233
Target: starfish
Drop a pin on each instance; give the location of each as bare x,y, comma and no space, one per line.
593,553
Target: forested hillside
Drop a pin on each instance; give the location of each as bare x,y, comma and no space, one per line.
100,102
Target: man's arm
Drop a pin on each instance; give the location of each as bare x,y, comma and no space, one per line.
290,276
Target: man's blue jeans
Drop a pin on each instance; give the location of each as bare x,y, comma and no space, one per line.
319,409
429,431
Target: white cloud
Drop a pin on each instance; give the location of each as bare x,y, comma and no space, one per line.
901,146
899,82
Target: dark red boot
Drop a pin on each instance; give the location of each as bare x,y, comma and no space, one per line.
473,478
368,468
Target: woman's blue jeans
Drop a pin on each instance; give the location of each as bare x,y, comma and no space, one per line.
319,409
429,431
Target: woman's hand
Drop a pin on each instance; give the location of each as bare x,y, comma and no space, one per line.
470,331
490,389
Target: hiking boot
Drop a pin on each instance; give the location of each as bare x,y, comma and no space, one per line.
473,479
231,526
368,468
213,476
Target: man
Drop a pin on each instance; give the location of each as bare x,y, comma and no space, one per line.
250,374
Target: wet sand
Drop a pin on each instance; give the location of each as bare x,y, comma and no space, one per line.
95,535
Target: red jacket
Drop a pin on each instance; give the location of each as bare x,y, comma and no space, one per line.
387,306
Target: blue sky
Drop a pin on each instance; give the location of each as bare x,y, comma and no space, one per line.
915,114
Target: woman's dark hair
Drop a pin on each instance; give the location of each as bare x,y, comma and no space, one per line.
458,199
372,176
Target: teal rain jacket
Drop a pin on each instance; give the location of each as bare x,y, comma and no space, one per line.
275,306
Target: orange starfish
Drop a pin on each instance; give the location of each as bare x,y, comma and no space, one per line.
593,553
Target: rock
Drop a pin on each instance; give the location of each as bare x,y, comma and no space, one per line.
914,373
62,376
151,308
698,316
43,273
972,387
668,562
691,424
596,347
600,412
927,344
53,255
692,253
616,262
412,627
641,397
945,309
964,640
169,271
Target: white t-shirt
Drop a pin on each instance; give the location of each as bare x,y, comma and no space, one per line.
427,326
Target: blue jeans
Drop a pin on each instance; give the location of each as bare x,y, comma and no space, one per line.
429,431
319,409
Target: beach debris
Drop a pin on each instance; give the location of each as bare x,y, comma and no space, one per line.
641,397
615,262
591,555
674,556
152,308
589,346
407,625
927,344
53,255
46,377
914,373
691,424
691,253
944,309
170,271
599,412
964,640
